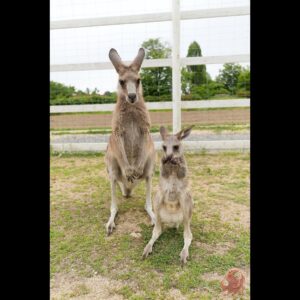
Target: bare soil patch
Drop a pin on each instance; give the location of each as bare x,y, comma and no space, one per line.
69,286
233,213
157,118
128,222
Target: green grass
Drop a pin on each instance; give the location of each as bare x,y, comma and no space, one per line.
234,127
80,200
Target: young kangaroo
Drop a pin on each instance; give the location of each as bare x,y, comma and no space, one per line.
130,154
173,203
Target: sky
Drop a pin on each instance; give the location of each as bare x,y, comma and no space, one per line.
216,36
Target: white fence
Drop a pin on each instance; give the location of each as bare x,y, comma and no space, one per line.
188,145
155,17
176,62
152,105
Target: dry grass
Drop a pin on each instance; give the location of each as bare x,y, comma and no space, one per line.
85,264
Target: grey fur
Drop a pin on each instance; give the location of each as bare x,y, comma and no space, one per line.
173,202
130,154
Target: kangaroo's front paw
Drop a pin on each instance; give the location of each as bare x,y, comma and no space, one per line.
183,256
151,214
153,220
147,250
110,225
130,173
138,173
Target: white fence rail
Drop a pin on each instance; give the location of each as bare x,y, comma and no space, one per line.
152,105
153,17
188,145
150,63
176,63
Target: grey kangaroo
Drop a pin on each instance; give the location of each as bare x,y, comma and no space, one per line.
130,154
173,202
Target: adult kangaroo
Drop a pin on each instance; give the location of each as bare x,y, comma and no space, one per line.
130,154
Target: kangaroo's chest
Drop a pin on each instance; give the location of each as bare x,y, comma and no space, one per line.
133,134
132,139
172,188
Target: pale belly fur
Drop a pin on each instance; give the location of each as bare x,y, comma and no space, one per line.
170,212
132,142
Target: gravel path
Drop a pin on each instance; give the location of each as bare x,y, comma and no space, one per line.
99,138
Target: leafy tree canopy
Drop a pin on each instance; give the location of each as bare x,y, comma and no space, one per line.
229,75
156,81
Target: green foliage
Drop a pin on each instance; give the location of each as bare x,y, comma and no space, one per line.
61,94
244,79
186,81
243,93
208,90
108,93
243,83
198,72
229,76
83,99
156,81
59,90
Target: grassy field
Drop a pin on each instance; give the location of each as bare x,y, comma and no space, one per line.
86,264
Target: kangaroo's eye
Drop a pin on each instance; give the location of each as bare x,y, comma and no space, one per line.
165,148
176,148
122,82
138,81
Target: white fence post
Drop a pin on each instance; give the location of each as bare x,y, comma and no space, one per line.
176,71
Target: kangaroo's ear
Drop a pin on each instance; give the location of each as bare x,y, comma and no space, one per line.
137,62
115,59
163,132
184,133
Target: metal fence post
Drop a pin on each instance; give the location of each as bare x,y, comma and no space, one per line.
176,71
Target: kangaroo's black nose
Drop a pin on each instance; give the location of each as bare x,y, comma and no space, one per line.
132,97
169,157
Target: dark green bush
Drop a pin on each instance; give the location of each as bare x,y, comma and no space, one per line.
243,93
83,99
160,98
206,91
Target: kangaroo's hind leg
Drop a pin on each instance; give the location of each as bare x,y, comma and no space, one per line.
187,233
114,174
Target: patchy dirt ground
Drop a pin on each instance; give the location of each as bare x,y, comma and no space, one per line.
86,264
65,286
157,118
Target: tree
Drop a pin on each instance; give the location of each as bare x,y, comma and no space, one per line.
193,76
156,81
244,79
199,74
95,91
59,90
80,93
186,81
107,93
229,75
